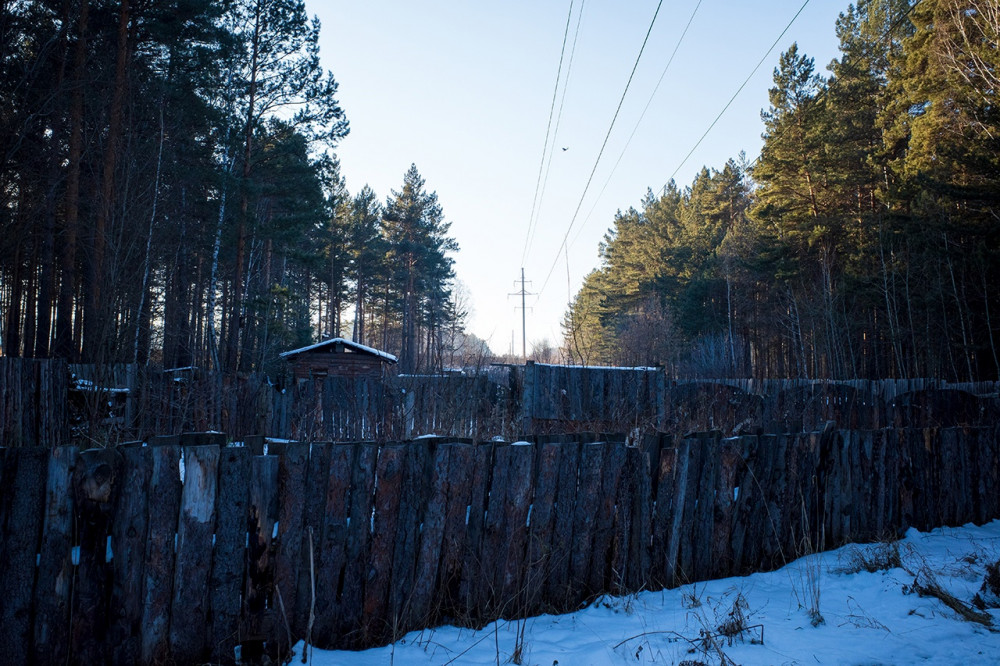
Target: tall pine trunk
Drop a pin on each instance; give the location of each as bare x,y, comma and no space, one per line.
96,315
47,279
236,313
142,313
65,346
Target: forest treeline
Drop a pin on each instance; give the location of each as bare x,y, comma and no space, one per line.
169,193
863,242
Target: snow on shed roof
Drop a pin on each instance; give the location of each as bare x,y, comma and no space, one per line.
350,344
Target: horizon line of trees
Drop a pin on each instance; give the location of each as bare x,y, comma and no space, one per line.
169,193
864,242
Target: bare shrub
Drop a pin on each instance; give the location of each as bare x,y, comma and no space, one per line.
873,559
989,594
925,584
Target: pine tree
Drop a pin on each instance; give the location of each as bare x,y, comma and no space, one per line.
366,251
280,70
418,244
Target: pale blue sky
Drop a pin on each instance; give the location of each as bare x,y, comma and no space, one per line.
463,90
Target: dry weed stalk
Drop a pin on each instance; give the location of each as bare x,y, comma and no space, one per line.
926,585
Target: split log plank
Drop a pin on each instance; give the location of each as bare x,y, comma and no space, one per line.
128,541
457,509
95,485
378,624
190,611
229,554
22,506
420,611
557,584
292,468
539,564
591,459
53,591
473,590
165,487
317,476
515,516
330,536
358,545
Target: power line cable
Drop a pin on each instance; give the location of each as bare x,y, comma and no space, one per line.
870,60
562,102
886,35
545,145
649,102
738,91
603,146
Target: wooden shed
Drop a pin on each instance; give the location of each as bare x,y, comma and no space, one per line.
337,357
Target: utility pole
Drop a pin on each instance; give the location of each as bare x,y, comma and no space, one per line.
524,334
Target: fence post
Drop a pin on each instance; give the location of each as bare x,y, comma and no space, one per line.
21,504
195,531
229,553
165,486
95,489
528,397
55,567
128,540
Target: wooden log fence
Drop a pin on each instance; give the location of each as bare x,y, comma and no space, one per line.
184,552
33,402
50,403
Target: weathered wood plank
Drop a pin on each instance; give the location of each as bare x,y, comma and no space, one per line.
292,469
190,611
460,472
229,554
776,546
662,565
557,586
688,537
585,511
473,590
988,474
417,471
317,476
203,439
640,491
22,512
542,524
745,496
491,566
55,566
128,541
721,562
95,485
358,545
515,516
703,516
165,486
263,621
330,534
601,575
622,527
378,624
421,611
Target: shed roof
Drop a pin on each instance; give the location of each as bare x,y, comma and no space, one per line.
349,344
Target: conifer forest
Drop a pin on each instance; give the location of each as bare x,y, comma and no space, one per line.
864,241
170,193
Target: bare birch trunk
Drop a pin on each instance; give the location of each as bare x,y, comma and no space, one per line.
140,318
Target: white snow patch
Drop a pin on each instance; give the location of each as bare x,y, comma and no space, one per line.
870,618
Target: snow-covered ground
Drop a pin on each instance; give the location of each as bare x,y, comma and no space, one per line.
863,618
